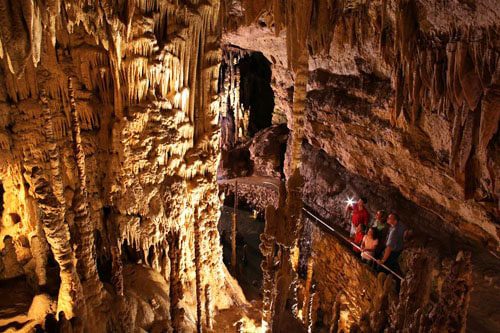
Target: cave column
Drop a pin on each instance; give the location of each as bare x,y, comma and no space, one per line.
85,245
47,189
298,23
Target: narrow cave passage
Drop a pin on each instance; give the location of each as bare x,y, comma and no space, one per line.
256,94
245,86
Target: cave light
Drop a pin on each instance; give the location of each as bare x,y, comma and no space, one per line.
350,201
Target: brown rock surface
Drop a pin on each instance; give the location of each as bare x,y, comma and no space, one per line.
109,149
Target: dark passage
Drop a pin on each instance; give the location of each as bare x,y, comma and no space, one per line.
256,93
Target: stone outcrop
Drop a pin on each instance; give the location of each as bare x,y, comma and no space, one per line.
267,151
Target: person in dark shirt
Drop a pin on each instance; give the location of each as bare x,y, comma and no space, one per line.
394,243
359,214
379,223
51,324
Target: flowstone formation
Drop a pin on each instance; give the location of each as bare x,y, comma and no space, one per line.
109,143
113,115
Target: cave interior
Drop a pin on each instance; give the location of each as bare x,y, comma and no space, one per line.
249,166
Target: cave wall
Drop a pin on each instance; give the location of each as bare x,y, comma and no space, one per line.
109,124
402,99
341,278
397,88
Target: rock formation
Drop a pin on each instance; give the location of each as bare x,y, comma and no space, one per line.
109,144
124,125
396,101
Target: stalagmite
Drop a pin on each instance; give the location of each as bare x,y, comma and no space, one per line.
208,308
307,291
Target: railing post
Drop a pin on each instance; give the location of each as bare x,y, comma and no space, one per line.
233,228
305,306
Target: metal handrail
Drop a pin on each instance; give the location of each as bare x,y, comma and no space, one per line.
326,225
323,223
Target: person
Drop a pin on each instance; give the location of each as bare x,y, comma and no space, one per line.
358,237
38,329
379,221
369,245
394,243
51,324
359,214
381,227
64,323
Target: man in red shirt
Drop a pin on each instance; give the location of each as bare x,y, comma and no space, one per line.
359,214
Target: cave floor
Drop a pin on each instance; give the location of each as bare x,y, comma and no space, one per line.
249,274
15,300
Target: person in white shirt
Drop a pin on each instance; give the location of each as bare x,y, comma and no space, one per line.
369,245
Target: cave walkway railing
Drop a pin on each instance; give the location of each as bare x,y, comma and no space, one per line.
321,222
347,240
337,233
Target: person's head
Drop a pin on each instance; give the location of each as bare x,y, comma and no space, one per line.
8,240
372,232
362,202
380,216
62,316
393,219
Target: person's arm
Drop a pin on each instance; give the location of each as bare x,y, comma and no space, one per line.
387,253
349,208
363,244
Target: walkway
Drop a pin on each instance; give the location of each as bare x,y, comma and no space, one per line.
274,183
268,182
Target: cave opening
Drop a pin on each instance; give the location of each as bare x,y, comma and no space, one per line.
256,93
245,85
